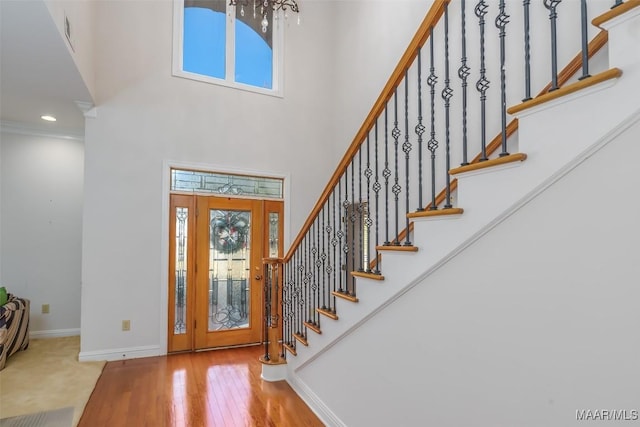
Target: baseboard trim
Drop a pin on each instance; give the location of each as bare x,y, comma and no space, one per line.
120,353
314,402
54,333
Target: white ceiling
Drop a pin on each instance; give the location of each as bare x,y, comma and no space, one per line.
37,73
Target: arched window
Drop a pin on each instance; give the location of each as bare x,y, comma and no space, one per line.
229,45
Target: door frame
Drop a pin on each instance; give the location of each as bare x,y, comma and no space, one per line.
167,165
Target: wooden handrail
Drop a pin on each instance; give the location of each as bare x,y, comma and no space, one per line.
616,11
421,36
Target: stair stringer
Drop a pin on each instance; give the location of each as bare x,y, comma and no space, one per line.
557,137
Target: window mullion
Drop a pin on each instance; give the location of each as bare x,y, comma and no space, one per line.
230,59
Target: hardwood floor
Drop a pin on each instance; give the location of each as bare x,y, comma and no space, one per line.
213,388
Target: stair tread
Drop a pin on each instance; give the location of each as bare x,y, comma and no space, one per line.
436,212
302,340
330,314
290,349
517,157
613,73
397,248
365,275
344,296
314,328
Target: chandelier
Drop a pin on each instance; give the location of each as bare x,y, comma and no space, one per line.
263,6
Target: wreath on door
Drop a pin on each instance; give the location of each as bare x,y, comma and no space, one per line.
229,231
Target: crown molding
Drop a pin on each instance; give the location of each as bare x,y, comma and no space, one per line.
19,128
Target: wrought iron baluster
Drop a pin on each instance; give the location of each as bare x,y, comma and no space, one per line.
463,73
334,243
368,173
406,147
386,173
340,234
552,6
432,145
360,219
501,22
352,217
585,40
315,284
617,3
395,133
376,188
527,51
323,258
447,93
329,266
419,130
347,219
307,279
482,85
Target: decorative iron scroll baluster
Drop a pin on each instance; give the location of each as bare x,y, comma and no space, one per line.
323,258
334,243
395,133
352,217
368,173
406,147
386,173
340,234
315,284
527,52
585,40
301,292
326,261
482,85
345,248
307,279
501,22
359,209
376,188
420,129
463,73
552,6
432,145
447,93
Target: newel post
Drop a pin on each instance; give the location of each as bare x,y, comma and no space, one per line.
273,361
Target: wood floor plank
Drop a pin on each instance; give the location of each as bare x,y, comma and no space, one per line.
215,388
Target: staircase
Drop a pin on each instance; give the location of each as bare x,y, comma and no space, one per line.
509,297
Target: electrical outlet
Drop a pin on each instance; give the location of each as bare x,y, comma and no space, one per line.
126,325
45,308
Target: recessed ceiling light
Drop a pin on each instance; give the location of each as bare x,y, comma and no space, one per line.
48,118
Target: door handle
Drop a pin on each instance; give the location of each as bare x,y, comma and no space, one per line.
258,277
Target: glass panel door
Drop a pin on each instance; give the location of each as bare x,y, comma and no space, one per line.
228,271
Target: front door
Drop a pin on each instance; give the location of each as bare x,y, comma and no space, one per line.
219,303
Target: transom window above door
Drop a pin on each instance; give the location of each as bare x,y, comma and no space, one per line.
219,43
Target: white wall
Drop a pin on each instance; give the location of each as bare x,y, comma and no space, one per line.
535,320
146,117
81,17
372,36
41,226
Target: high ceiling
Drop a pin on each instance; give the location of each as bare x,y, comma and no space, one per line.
37,73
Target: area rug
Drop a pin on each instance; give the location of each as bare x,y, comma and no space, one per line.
56,418
47,376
